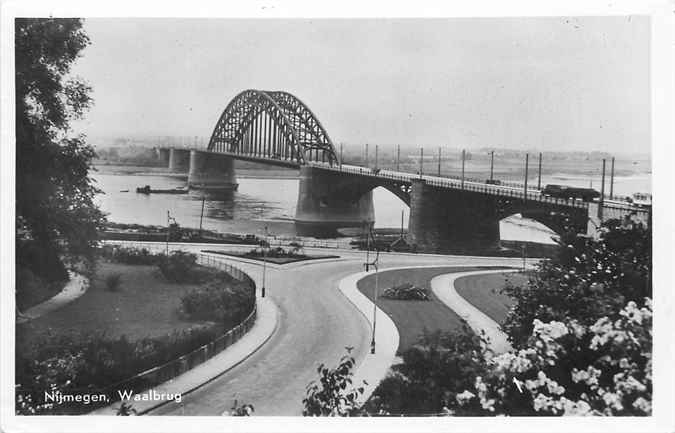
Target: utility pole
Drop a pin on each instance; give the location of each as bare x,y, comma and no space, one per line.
401,223
201,217
527,161
463,158
439,161
264,263
492,164
539,180
366,154
611,182
375,293
421,163
398,157
168,230
341,145
376,155
601,202
365,223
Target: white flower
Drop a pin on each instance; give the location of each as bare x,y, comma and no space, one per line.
464,397
643,405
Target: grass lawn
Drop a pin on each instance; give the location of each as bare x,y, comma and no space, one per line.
145,305
275,260
482,291
412,317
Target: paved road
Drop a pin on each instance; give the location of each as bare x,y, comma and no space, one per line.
316,322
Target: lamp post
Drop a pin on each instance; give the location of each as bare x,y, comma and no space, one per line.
375,292
265,244
398,157
539,178
463,158
492,163
611,181
439,161
169,218
375,288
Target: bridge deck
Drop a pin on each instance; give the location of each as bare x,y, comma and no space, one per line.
533,194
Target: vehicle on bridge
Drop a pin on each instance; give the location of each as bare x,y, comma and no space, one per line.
566,192
642,199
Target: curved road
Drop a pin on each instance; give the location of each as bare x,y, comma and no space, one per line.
316,322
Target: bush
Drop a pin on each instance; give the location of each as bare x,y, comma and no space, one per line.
431,375
333,394
130,256
112,282
589,280
586,349
572,369
179,267
94,362
406,292
223,300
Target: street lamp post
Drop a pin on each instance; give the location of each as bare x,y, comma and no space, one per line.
463,158
264,264
169,218
375,292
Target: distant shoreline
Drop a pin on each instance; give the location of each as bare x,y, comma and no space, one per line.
242,173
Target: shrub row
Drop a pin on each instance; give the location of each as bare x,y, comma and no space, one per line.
130,256
223,299
88,363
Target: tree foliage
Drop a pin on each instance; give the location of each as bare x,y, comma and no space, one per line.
590,279
431,375
55,205
334,393
572,369
582,331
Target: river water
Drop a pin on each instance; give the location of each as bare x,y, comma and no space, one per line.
262,203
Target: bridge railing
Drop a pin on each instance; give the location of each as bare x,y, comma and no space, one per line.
455,182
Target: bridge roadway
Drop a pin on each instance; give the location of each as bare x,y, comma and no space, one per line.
316,322
505,190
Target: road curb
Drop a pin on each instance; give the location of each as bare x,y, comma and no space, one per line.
444,288
374,367
265,325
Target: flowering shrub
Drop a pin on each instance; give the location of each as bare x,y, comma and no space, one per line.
406,292
590,279
572,369
432,373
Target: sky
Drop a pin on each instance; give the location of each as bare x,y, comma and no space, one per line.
552,83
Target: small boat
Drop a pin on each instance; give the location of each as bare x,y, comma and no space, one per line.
124,190
147,190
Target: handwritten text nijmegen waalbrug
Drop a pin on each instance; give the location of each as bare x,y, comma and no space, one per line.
125,395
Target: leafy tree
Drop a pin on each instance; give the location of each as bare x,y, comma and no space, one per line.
572,369
589,279
57,219
582,329
333,394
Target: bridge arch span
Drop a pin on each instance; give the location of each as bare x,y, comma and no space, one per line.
273,125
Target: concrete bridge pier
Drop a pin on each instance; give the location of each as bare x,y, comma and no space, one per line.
179,160
445,220
163,154
331,199
211,171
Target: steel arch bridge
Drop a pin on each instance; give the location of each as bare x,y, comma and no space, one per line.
274,126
